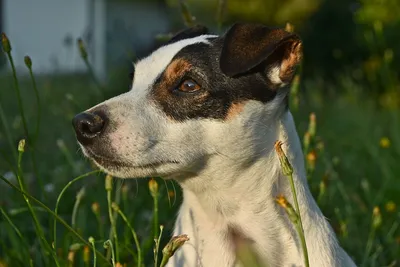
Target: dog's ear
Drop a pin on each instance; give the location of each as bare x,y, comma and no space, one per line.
249,46
191,32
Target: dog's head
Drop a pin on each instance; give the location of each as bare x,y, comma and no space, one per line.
198,96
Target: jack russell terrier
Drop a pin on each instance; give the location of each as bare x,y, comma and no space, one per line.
206,111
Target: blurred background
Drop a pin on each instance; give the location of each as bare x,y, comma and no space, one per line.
355,38
349,79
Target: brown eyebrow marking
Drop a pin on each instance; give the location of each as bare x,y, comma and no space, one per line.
162,94
175,70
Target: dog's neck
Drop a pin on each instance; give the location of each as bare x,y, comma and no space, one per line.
233,194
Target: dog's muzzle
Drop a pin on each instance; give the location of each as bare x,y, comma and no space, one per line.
89,125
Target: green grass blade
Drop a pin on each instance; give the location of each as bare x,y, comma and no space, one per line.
66,225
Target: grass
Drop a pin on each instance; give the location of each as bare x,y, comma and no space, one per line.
356,171
351,146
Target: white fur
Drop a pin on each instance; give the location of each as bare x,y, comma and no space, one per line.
229,173
273,75
150,67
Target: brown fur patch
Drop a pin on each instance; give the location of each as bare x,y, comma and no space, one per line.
163,90
176,69
292,57
234,110
248,45
214,92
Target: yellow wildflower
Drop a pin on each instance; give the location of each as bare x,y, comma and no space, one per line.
390,206
384,142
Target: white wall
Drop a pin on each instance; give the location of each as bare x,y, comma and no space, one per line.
39,28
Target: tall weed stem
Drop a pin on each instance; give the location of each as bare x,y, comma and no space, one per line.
135,238
41,204
28,63
7,49
109,246
18,232
84,56
21,182
287,170
8,132
59,199
153,187
157,247
114,236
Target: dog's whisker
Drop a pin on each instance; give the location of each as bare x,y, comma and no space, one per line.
120,185
168,196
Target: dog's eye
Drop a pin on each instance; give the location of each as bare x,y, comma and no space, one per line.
188,86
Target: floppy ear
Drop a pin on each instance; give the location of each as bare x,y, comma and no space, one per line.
191,32
247,46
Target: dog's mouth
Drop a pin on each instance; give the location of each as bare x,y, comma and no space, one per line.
115,164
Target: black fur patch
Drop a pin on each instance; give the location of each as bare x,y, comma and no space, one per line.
247,45
218,91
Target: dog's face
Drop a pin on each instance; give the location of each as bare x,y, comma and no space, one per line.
190,100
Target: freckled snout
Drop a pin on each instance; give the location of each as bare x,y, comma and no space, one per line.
88,126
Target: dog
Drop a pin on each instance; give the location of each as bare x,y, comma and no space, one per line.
206,111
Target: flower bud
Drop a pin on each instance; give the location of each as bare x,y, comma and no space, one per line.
82,49
376,218
390,207
28,62
115,206
153,186
282,201
108,184
171,193
71,256
384,142
174,244
86,254
311,160
96,208
285,164
21,145
306,141
289,27
6,43
312,127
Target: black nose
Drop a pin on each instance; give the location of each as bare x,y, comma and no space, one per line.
88,126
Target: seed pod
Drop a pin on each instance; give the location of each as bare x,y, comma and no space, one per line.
28,62
108,184
21,145
96,208
153,187
174,244
6,43
287,168
82,49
